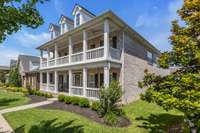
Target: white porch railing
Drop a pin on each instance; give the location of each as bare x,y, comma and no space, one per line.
115,53
44,63
95,53
51,87
44,86
92,92
77,90
51,62
77,57
62,60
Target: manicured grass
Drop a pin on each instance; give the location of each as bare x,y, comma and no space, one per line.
12,99
145,118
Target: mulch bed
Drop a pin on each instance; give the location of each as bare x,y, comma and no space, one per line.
86,112
36,99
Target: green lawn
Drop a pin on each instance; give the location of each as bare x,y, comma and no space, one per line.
12,99
145,118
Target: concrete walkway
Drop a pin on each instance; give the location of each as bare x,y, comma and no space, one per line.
5,127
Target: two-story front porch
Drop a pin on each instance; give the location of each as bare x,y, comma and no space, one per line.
82,61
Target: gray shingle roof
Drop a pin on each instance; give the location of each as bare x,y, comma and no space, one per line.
25,62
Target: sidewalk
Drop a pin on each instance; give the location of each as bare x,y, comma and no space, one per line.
5,127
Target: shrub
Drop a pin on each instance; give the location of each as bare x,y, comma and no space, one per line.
68,100
75,100
61,98
95,106
109,98
84,102
110,118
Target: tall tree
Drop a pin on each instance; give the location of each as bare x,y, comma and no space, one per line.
17,13
180,89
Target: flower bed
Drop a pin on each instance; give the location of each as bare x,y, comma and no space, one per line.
86,108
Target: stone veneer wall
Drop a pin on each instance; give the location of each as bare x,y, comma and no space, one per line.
134,64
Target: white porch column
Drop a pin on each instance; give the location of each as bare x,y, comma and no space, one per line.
84,44
41,58
106,39
106,76
70,48
56,81
47,89
70,81
48,57
84,81
41,80
56,54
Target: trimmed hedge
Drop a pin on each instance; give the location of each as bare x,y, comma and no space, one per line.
82,102
30,91
39,93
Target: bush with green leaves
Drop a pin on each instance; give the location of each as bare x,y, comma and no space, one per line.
84,102
108,105
95,105
75,100
61,98
68,99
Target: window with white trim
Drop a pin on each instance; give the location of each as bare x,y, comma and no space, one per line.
78,19
150,57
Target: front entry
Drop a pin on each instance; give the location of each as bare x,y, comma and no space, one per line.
63,83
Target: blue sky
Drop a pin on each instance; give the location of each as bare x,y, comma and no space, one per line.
151,18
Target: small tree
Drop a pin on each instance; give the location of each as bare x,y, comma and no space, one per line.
180,89
14,77
109,98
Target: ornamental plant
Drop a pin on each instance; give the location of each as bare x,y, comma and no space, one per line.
181,89
108,106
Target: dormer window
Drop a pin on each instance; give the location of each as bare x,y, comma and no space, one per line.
78,19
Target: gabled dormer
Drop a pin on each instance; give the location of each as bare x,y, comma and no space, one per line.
54,30
66,24
81,15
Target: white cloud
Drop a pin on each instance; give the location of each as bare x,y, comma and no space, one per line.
158,24
8,54
30,40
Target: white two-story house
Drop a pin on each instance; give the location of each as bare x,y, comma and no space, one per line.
91,51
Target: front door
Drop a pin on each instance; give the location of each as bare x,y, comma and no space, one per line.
60,83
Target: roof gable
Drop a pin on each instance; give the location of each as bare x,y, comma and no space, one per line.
54,27
79,7
65,19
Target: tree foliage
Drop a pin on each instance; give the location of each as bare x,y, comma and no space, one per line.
180,89
14,78
17,13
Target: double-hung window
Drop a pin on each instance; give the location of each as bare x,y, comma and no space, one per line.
78,19
150,57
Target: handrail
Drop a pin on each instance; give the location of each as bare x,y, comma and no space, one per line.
62,57
77,53
94,49
92,88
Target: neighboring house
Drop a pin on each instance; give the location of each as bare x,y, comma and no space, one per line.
90,51
4,70
29,71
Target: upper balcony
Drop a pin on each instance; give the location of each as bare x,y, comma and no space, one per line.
98,43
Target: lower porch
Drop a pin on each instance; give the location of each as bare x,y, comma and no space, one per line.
84,82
